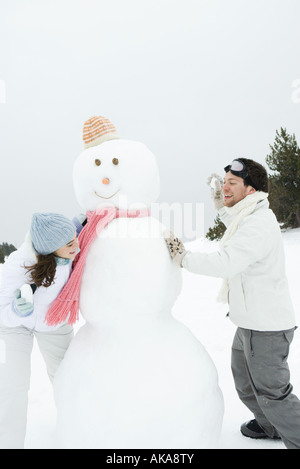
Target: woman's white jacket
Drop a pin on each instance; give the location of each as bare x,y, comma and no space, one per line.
253,261
14,276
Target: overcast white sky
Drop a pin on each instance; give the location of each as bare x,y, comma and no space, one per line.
200,82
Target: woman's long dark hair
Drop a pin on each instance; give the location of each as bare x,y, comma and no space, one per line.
43,272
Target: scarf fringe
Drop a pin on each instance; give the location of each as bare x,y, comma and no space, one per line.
64,312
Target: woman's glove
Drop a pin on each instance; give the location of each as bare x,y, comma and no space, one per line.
79,222
20,306
216,183
176,248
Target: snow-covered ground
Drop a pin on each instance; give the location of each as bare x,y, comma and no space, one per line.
197,308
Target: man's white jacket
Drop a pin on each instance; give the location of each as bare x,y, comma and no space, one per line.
253,261
14,276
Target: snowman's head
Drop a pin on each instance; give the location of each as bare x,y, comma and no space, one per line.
121,173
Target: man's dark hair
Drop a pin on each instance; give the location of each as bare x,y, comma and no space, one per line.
257,173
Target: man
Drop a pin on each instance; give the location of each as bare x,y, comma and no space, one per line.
251,262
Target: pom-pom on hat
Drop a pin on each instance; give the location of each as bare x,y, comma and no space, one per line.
50,231
97,130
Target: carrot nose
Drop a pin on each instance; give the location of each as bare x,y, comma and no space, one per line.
105,181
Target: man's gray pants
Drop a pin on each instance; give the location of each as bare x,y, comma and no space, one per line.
262,380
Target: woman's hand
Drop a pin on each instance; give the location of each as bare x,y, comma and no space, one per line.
20,306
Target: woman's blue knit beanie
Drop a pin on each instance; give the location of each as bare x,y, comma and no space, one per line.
50,231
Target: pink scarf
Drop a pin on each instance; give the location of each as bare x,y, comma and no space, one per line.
67,303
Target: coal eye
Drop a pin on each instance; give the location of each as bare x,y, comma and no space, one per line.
97,162
115,161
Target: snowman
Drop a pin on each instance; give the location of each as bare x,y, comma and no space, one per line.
133,377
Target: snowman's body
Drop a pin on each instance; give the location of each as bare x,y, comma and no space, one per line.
134,377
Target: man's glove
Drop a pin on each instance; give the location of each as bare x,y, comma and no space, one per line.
176,248
216,182
20,306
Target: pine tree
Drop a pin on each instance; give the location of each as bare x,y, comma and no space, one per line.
217,231
284,189
7,249
2,257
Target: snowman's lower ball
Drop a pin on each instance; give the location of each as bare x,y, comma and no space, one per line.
125,394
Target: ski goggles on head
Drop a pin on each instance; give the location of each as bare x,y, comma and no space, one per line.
238,168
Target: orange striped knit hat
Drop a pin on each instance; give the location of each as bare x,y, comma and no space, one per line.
97,130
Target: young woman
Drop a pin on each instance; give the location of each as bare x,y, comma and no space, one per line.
44,261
